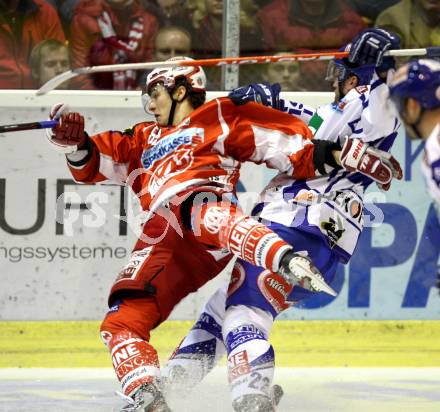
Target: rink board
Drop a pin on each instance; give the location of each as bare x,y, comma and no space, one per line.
296,343
63,270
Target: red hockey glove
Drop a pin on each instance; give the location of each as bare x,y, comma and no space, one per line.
381,166
68,135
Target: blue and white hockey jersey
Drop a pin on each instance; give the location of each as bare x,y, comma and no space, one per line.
431,164
331,206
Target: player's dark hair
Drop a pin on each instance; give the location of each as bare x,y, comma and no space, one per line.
196,98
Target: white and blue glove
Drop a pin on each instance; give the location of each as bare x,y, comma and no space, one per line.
264,93
369,47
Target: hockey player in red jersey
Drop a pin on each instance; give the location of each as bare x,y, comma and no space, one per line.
184,168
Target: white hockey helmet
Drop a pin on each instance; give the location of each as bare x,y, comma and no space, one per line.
169,75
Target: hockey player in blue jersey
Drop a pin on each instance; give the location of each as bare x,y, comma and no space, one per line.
415,91
322,216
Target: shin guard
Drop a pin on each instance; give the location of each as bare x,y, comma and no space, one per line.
251,363
135,361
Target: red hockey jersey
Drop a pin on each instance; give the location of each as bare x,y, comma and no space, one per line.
206,148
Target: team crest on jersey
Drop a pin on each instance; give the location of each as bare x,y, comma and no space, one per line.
334,230
170,144
180,161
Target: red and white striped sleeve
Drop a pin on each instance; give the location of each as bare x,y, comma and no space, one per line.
263,135
111,156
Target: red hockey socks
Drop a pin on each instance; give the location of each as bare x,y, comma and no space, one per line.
225,226
135,361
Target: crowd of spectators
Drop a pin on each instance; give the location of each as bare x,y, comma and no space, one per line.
39,39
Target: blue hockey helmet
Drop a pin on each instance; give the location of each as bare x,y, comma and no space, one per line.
342,69
419,79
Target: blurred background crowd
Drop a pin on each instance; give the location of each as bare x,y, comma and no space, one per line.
40,39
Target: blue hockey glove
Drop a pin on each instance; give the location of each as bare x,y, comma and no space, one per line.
264,93
368,48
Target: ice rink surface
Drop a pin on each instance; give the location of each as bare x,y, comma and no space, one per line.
306,390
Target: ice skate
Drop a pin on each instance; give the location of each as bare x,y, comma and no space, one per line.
146,399
253,403
276,393
259,403
300,270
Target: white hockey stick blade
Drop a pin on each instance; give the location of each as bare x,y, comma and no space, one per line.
57,80
61,78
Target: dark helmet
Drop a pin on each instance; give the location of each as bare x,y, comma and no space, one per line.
342,69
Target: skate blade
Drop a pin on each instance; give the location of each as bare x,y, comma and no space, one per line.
306,275
318,284
315,283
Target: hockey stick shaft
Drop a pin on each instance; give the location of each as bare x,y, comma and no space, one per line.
57,80
28,126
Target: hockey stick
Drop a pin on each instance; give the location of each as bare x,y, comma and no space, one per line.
57,80
28,126
53,83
